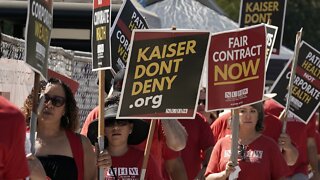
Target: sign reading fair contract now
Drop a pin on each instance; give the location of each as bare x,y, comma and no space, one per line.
305,98
236,68
163,74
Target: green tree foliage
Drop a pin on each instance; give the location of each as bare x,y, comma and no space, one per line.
299,13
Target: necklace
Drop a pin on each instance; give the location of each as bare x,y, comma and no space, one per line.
248,140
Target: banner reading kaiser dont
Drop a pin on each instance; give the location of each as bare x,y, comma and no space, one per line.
254,12
163,74
236,68
38,35
305,97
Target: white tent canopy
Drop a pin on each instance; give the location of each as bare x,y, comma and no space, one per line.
191,14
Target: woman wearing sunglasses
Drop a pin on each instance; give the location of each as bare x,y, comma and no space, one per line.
120,134
63,153
259,156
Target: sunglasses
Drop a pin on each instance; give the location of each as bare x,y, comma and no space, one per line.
56,101
113,122
242,152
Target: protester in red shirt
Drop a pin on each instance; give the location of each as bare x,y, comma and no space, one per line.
259,156
13,161
199,146
317,139
303,136
272,128
120,133
169,138
211,116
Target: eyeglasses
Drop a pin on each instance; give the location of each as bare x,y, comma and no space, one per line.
57,101
113,122
242,152
202,101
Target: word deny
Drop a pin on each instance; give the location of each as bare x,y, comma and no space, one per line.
167,51
151,85
236,72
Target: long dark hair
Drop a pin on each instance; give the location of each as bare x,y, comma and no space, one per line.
70,120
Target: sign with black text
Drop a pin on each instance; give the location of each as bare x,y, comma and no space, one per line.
236,68
100,41
163,74
254,12
128,18
38,35
305,97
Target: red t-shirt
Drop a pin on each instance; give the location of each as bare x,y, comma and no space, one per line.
299,133
159,150
221,127
13,162
263,161
200,139
317,139
272,126
129,166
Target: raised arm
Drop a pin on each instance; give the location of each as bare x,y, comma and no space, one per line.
290,152
176,135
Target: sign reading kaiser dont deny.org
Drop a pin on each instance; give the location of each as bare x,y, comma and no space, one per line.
163,74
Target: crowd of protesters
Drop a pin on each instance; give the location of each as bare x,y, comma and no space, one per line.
198,148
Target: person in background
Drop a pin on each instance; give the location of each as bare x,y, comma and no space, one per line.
272,128
169,138
259,156
120,134
303,136
211,116
199,146
317,139
63,153
13,161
